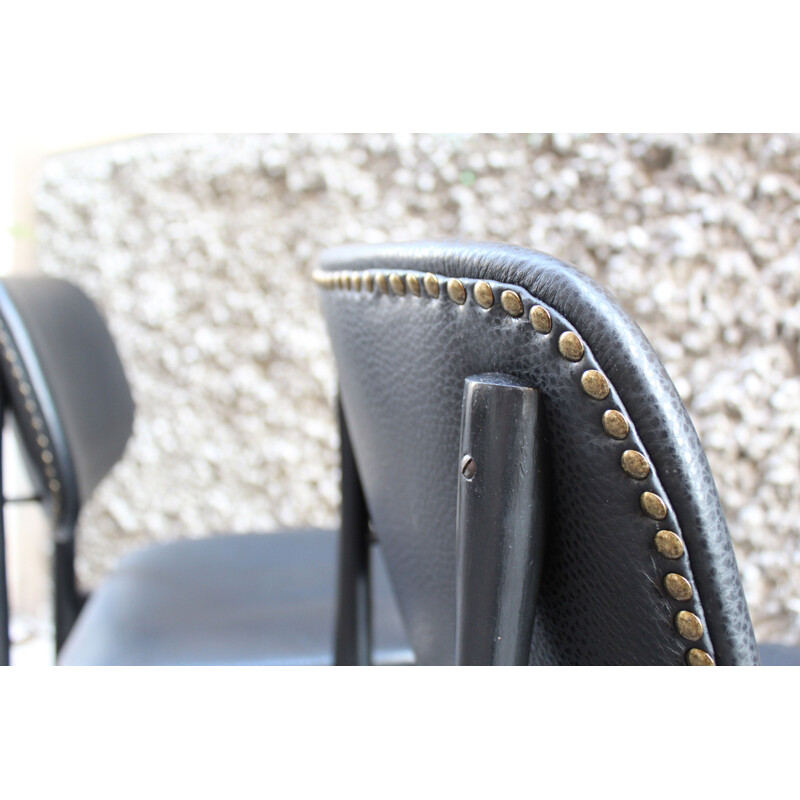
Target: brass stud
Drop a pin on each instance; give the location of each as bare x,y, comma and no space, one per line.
678,587
369,283
484,296
570,346
38,423
512,303
11,356
456,291
47,457
431,285
635,464
30,406
24,388
16,372
653,505
540,319
398,287
381,283
412,281
54,485
594,383
348,280
669,544
355,282
688,625
42,440
615,425
699,658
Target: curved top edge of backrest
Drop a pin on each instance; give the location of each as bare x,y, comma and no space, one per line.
66,386
649,395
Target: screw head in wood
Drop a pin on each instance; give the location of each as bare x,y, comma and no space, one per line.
468,467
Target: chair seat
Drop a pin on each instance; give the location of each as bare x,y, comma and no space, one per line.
251,599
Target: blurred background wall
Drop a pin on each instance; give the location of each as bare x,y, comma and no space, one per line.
199,249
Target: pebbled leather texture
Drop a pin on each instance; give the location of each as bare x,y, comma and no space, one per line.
72,404
402,362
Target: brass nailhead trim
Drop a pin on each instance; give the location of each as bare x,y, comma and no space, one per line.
431,285
570,346
678,587
653,505
615,425
484,296
635,464
594,383
540,319
669,544
456,291
356,281
398,287
512,303
699,658
37,423
688,625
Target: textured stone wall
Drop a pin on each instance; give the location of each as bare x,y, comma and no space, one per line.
199,249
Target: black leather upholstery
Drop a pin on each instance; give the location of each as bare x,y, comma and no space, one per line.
72,404
264,599
248,599
402,360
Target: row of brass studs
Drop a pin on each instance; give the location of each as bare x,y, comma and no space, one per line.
593,383
37,422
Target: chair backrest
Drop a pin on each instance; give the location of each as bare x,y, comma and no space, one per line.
66,388
638,566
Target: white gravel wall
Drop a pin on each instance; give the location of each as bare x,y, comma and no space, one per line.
199,248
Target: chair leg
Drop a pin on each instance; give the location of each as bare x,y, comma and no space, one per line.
5,641
353,616
68,600
500,520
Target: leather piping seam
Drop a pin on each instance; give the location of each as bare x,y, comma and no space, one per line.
595,384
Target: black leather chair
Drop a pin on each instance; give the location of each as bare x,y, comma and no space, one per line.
237,599
538,489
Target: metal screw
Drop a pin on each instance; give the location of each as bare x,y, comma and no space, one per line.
468,467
